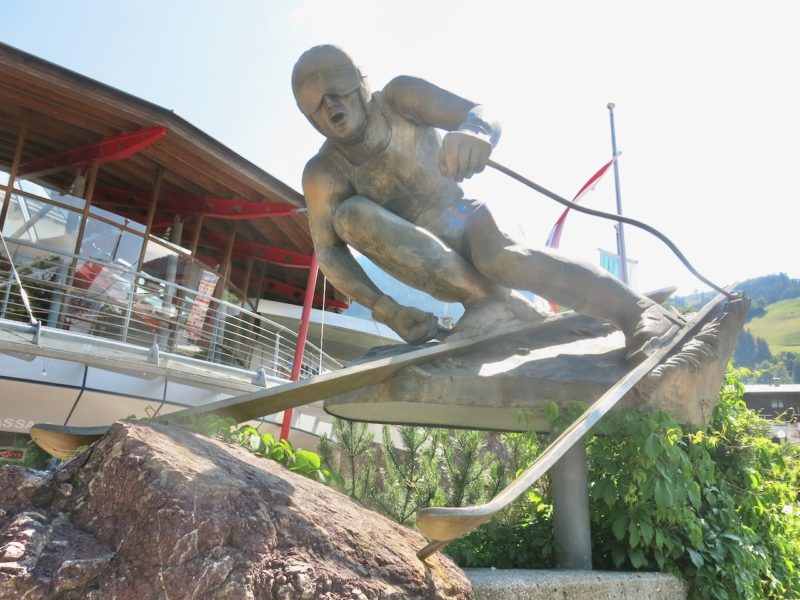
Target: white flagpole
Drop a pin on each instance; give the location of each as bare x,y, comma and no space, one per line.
623,255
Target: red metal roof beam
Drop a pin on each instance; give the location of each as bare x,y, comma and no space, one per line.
270,254
107,150
291,292
276,287
232,209
256,250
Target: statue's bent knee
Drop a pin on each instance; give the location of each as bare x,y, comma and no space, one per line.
353,216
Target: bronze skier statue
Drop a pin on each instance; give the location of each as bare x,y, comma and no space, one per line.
387,184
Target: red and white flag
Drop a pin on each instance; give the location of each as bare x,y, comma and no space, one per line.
555,233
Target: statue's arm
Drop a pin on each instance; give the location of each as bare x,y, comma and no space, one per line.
324,192
471,135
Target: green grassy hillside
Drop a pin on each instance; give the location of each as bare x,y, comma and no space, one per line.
780,327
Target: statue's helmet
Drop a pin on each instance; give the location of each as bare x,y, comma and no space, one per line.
325,70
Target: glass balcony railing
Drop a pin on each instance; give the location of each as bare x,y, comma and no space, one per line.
113,289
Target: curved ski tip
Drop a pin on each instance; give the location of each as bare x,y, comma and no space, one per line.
661,294
444,524
62,441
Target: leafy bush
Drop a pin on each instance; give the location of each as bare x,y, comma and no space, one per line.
300,461
718,507
521,536
528,545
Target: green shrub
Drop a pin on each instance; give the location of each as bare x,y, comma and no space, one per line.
521,536
718,507
409,476
353,469
264,445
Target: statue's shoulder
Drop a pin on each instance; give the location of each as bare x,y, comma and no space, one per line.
382,100
324,166
400,86
320,163
379,98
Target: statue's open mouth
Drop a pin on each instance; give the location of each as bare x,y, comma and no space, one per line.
337,117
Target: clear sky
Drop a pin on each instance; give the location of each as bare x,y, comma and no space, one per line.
707,96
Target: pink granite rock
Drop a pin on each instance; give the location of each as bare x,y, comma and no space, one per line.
156,512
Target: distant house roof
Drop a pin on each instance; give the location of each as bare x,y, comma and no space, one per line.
774,401
768,388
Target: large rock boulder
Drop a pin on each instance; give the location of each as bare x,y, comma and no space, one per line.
156,512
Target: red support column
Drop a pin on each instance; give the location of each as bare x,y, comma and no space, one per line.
302,334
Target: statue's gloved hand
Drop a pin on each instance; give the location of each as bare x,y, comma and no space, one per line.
463,154
413,325
466,151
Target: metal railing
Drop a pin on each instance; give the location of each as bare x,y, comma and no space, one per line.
111,301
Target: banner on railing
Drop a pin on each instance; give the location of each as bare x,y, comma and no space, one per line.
197,315
16,454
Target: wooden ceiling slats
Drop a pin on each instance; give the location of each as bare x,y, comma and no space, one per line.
107,124
74,113
294,227
184,164
138,111
69,101
67,110
80,114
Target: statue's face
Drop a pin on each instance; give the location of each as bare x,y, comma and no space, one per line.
340,118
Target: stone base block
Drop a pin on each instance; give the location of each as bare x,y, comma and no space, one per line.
513,584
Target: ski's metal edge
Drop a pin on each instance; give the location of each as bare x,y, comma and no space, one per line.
444,524
279,398
55,439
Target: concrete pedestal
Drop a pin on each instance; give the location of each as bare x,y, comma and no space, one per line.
493,584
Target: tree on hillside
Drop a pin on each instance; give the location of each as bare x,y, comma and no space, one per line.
745,353
772,372
762,350
751,350
790,361
770,288
762,291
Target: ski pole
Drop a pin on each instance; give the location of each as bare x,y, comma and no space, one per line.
612,217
